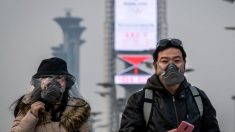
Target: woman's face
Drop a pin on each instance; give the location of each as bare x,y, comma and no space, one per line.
45,81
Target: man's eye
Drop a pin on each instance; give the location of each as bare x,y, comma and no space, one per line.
164,61
177,61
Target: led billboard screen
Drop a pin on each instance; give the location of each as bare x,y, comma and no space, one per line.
135,25
131,79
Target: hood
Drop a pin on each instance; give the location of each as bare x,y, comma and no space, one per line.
154,83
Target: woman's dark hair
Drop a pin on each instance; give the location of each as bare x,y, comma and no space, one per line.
16,105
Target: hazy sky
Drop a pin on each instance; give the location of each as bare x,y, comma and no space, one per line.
28,32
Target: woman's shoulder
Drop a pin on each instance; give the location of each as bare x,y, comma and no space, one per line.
76,114
76,102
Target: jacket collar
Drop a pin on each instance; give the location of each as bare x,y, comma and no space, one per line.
154,83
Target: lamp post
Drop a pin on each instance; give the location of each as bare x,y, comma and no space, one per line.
93,119
230,1
112,112
232,28
233,98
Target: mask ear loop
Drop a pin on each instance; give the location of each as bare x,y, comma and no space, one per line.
61,94
184,68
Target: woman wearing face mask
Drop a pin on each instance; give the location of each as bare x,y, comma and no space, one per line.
49,106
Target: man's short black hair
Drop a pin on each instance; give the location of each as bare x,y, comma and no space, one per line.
168,43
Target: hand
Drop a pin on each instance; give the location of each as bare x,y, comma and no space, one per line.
36,107
173,130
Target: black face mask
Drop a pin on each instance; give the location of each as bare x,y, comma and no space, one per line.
53,93
172,75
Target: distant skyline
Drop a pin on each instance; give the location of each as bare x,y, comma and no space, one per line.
28,32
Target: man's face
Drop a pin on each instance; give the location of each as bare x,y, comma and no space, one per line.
167,56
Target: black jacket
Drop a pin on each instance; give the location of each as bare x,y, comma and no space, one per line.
167,114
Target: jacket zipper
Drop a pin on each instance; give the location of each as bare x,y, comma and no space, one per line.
176,115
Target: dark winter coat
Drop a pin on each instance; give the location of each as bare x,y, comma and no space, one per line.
168,110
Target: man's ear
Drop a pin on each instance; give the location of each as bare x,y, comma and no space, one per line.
184,65
155,66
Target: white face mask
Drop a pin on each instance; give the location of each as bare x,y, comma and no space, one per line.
172,75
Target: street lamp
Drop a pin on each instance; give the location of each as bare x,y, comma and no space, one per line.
106,84
230,28
93,120
102,94
189,70
230,1
233,98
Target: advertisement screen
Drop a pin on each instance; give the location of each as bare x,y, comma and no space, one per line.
135,25
131,79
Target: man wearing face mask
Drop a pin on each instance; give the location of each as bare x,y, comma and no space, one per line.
172,100
49,106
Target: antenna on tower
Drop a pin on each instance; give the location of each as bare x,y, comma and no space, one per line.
68,12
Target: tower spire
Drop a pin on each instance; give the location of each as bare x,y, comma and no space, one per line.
69,50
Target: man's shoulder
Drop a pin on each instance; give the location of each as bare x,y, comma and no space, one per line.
137,96
201,92
138,93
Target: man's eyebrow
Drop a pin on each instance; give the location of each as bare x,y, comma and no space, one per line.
164,58
175,57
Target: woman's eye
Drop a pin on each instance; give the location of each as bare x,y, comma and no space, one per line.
46,77
59,77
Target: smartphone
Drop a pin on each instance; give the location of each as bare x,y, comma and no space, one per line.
185,127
